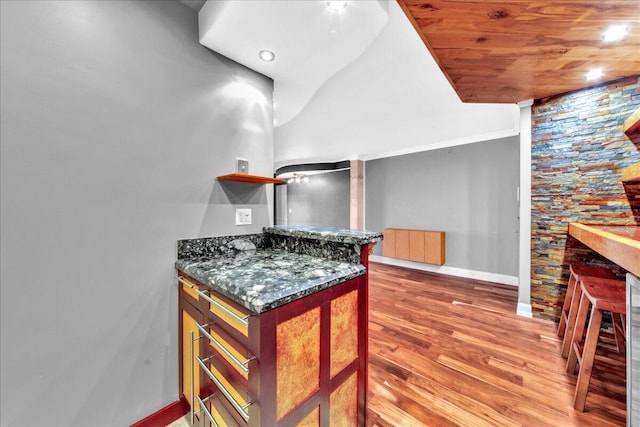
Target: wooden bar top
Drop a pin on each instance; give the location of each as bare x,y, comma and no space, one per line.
618,243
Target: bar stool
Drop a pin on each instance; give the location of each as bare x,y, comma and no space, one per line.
602,295
572,299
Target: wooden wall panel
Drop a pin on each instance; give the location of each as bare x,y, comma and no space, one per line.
311,420
416,246
389,243
344,404
297,360
344,333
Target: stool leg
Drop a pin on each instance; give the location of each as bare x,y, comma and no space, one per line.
588,355
578,331
567,342
568,301
618,331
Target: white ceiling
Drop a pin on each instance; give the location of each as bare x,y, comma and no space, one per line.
384,95
393,99
311,41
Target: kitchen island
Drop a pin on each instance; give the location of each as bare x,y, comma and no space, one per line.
274,326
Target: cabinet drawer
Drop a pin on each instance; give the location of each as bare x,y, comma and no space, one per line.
224,346
218,307
227,384
188,288
222,309
222,414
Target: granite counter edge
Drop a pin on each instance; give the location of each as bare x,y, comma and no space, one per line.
285,299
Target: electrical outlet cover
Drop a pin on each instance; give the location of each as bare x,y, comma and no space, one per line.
243,216
242,166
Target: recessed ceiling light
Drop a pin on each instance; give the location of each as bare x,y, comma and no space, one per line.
594,74
337,5
614,33
267,55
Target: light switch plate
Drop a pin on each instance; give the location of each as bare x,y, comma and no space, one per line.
243,216
242,166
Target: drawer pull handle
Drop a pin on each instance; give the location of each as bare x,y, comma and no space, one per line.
242,320
222,348
184,282
192,340
240,408
191,375
203,408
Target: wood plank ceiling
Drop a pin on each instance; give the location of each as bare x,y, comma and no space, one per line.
507,52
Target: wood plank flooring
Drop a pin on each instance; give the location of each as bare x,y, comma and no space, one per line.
449,351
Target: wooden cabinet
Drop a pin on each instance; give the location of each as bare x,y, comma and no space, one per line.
189,317
303,363
414,245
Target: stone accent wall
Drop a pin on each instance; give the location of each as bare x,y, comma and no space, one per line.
578,149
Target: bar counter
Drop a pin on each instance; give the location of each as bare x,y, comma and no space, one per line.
619,243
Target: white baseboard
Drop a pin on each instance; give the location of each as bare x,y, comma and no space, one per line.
451,271
524,310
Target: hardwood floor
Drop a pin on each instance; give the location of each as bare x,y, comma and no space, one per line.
448,351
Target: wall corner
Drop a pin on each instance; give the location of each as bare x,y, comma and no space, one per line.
524,262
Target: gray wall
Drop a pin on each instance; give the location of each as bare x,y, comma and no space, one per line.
469,191
324,200
114,124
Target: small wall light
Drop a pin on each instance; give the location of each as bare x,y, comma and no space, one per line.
337,5
594,74
267,55
614,33
298,179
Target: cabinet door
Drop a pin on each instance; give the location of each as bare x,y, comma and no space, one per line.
434,247
402,244
416,245
189,350
389,243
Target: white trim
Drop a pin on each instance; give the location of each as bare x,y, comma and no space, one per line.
524,310
409,150
450,271
442,144
524,250
364,195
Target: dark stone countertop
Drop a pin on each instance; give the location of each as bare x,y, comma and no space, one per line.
263,279
328,234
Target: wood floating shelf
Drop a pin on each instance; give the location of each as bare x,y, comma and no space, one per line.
251,179
631,173
632,124
618,243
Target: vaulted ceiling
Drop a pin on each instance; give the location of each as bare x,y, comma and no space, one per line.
510,51
442,72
